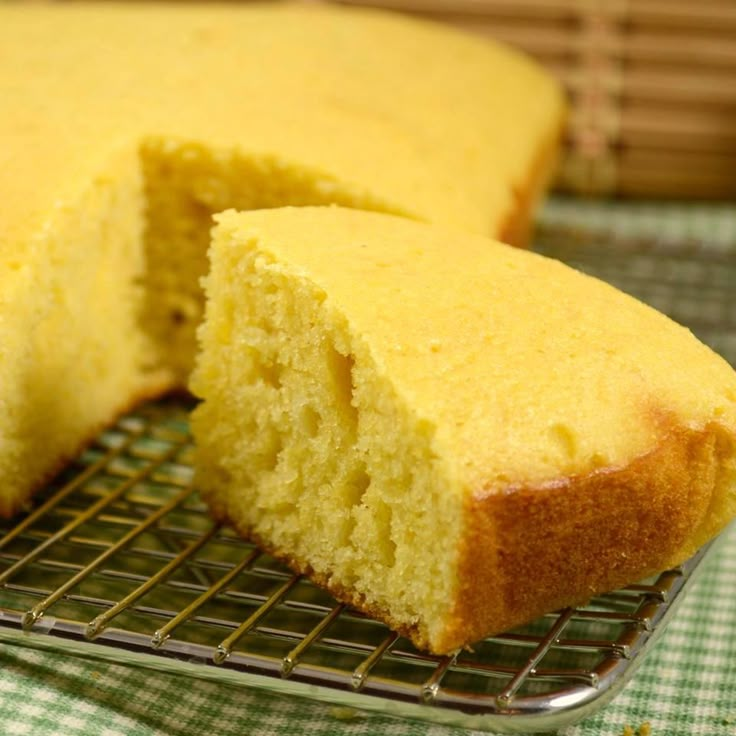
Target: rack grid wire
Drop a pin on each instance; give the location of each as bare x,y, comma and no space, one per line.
118,559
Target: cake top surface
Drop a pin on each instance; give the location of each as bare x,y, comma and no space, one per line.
525,368
388,106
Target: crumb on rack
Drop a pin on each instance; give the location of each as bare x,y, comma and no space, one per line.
644,730
343,713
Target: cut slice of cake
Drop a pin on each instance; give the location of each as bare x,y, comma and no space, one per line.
451,434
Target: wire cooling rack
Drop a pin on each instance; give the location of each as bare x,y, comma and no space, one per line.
118,559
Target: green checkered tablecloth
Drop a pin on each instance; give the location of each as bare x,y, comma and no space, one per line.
711,223
686,685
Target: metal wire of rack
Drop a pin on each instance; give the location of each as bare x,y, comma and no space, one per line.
118,559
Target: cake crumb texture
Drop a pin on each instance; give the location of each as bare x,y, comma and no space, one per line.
455,445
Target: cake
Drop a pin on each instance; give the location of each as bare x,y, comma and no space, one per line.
124,127
455,445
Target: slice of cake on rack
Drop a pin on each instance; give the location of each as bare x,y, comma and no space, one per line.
451,434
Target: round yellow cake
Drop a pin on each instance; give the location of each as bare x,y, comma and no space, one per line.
125,126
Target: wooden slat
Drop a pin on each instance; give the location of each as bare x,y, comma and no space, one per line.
714,90
678,128
691,87
679,182
676,173
695,48
636,48
691,14
719,15
514,8
714,163
541,41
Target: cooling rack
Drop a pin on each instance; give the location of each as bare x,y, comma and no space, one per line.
118,559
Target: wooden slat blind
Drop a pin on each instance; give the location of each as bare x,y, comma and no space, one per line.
652,85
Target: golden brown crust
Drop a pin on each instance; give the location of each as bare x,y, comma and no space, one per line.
530,550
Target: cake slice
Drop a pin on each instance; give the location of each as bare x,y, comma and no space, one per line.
452,435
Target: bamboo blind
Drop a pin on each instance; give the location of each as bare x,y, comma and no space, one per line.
652,85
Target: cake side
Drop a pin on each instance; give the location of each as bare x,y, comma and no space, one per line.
72,332
561,543
527,194
512,464
16,358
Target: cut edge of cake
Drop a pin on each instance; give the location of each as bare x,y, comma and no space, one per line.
324,446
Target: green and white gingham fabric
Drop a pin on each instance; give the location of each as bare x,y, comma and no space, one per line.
686,686
713,223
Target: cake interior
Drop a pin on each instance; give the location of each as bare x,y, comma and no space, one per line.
80,355
296,402
185,184
107,315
